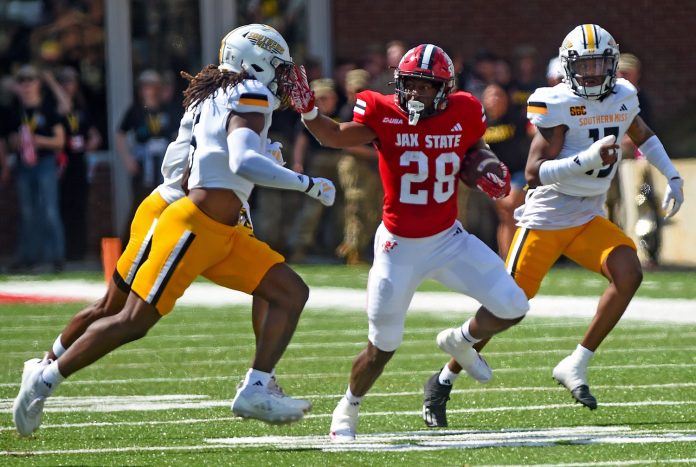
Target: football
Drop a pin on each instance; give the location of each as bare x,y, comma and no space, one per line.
476,163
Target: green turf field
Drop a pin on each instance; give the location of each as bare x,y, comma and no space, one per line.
164,400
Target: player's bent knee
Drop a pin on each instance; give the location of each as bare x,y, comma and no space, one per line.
513,304
387,340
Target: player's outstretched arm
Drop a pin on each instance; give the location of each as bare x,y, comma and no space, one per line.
324,129
246,160
651,147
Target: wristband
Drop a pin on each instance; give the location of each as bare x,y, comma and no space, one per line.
311,115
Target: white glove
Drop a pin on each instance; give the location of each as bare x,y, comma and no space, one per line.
674,192
321,189
591,158
274,151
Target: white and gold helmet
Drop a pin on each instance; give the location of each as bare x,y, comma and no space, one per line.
589,56
260,51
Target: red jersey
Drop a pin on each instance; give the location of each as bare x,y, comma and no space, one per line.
419,165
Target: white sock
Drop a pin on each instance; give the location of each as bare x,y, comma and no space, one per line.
468,338
447,376
352,400
582,355
256,378
58,348
51,375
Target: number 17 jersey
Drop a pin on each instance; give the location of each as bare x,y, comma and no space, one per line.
587,121
419,164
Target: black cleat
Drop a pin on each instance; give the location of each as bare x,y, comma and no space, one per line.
582,395
435,397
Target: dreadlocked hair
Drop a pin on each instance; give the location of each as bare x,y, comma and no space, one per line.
206,82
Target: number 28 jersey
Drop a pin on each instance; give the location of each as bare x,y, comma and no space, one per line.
419,164
587,121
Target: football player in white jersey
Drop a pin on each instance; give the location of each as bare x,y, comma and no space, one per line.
572,160
200,234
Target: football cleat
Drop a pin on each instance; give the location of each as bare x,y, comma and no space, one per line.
27,409
451,342
302,404
344,422
261,403
435,397
574,378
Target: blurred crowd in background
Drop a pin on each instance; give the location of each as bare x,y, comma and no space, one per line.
53,102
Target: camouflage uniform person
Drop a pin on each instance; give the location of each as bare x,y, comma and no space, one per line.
358,176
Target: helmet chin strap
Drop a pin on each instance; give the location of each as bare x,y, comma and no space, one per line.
414,110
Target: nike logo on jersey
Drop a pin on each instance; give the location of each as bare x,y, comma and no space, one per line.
456,127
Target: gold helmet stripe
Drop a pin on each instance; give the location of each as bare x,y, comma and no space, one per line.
590,36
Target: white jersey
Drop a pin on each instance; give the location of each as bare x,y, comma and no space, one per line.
576,200
175,160
210,166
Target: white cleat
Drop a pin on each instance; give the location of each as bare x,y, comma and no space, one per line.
574,378
344,422
451,342
27,409
261,403
302,404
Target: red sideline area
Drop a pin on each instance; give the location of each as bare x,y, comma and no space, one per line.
21,298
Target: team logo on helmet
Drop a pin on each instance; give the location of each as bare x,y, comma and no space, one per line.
265,43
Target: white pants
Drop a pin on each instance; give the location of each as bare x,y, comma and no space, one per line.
453,257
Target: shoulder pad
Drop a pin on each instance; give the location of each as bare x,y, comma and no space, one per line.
624,88
366,104
251,96
544,106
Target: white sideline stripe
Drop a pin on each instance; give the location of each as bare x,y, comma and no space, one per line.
304,345
196,402
387,374
432,440
418,356
205,294
108,403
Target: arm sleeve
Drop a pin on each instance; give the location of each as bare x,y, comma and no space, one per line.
246,161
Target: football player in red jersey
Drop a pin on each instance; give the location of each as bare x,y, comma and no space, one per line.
422,134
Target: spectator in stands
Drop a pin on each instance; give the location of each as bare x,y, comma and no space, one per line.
309,156
381,82
527,76
649,224
508,134
554,72
150,129
358,176
37,136
82,137
483,73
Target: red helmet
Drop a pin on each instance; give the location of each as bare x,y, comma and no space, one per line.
426,61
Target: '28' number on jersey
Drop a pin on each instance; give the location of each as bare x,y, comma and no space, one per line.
445,180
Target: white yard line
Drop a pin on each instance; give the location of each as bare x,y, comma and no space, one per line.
106,404
387,374
204,294
418,356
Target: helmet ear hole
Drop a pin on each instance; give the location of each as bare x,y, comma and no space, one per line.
256,68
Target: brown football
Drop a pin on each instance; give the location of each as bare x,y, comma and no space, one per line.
476,163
